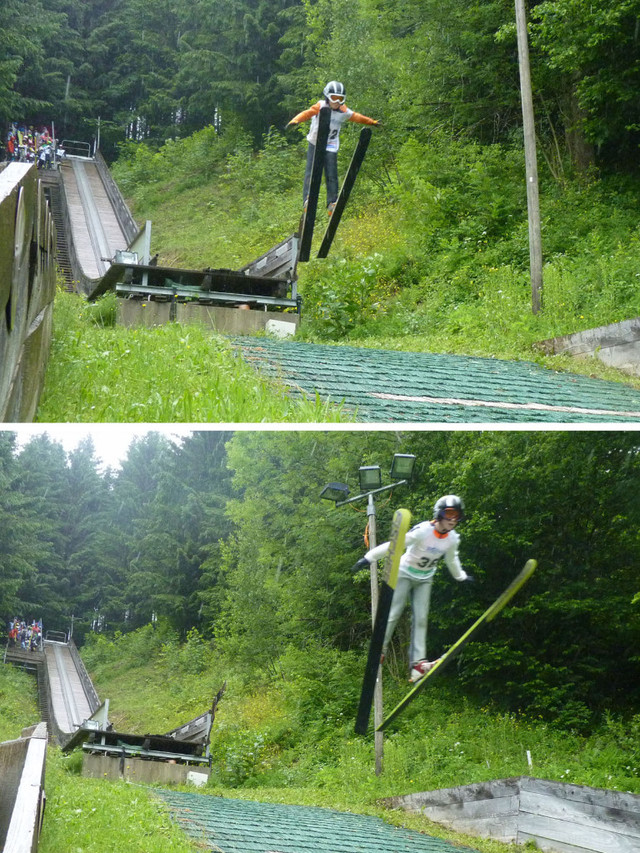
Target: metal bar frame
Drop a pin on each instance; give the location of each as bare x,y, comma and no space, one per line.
202,297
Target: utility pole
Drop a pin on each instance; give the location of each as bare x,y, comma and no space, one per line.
377,696
370,485
531,163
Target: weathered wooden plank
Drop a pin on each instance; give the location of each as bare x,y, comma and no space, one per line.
459,794
581,793
494,818
501,828
559,817
593,839
11,176
27,289
280,261
583,815
549,846
476,809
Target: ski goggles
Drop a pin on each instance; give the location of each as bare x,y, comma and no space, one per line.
451,514
337,99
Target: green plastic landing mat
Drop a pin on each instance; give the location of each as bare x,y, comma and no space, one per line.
386,386
243,826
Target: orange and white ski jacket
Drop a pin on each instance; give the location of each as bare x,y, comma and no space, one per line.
338,118
425,546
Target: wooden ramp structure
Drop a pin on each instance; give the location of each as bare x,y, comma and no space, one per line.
70,701
76,717
108,251
96,231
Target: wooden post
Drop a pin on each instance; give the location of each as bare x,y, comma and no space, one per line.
531,163
377,696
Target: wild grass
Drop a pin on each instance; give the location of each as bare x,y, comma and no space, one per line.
99,372
88,815
99,816
18,702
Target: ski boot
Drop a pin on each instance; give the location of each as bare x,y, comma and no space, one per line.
420,669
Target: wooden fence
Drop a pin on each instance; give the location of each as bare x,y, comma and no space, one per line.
27,290
22,765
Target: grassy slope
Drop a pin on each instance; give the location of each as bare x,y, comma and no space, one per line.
172,374
18,702
381,289
289,739
287,736
428,262
80,812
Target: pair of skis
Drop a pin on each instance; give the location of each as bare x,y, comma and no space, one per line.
309,216
399,529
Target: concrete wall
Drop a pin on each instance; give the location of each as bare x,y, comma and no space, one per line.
617,345
139,770
558,817
234,321
27,290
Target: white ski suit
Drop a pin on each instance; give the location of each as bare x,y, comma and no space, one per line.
418,565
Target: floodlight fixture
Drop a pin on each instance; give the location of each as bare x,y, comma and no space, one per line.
402,466
335,492
370,477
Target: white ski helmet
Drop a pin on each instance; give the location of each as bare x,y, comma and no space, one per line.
334,88
448,502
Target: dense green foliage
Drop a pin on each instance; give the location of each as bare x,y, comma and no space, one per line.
142,71
434,259
290,729
226,534
437,254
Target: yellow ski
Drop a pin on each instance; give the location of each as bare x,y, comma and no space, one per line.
448,656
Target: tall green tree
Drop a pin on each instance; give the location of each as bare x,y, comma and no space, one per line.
22,544
27,68
178,541
594,49
41,472
134,497
229,62
88,567
133,51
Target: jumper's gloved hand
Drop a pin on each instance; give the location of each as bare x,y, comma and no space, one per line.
362,563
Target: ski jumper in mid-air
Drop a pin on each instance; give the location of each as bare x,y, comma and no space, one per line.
334,96
426,544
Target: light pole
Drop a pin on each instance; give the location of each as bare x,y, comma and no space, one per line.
370,480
